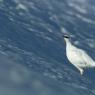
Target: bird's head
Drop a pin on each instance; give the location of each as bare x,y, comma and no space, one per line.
66,37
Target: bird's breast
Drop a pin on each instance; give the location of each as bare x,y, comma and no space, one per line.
73,57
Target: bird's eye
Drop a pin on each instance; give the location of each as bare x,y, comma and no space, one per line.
66,36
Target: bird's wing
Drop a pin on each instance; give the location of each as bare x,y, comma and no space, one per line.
88,60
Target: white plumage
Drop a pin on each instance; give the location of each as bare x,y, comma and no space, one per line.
78,57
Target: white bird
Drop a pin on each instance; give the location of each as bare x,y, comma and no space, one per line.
78,57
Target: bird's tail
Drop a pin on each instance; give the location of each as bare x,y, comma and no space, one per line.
93,65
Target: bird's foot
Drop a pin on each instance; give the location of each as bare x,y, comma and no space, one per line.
81,71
